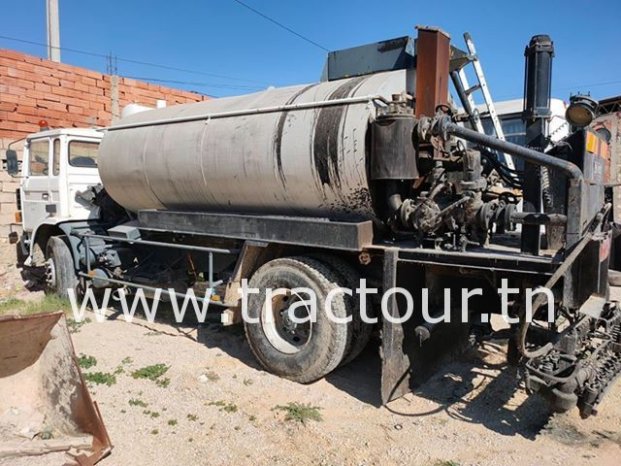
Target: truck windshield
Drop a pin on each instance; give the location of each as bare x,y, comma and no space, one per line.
83,154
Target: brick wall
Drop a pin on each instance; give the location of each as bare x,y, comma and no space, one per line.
34,89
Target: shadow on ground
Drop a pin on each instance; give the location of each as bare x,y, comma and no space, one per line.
469,389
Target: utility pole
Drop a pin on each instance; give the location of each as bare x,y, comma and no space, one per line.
53,30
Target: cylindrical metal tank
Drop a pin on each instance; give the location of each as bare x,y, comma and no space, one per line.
248,155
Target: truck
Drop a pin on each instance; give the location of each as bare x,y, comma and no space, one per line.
367,180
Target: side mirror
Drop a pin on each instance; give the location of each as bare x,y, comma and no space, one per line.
12,164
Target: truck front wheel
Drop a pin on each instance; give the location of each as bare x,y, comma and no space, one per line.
302,352
59,269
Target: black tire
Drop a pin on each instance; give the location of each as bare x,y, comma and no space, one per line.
60,270
327,341
360,331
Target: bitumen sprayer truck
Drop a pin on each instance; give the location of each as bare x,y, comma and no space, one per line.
272,203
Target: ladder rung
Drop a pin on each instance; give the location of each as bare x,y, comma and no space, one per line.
474,88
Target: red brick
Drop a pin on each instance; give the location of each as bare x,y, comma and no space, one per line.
79,86
57,106
75,110
18,83
88,81
51,80
7,106
12,54
43,88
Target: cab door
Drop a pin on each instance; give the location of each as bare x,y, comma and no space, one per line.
37,201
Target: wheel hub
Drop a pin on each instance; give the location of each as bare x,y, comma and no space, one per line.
50,274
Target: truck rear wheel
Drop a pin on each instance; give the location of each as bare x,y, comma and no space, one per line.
59,269
302,352
360,330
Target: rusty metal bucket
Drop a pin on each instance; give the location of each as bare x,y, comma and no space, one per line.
45,405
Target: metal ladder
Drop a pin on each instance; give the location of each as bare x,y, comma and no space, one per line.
465,91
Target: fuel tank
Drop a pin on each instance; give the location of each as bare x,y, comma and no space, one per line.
301,150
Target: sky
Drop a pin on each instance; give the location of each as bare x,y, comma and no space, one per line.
231,50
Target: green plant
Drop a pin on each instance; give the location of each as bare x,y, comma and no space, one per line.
172,422
212,376
138,402
11,304
152,372
74,326
224,406
100,378
192,417
86,362
248,382
164,382
155,432
300,412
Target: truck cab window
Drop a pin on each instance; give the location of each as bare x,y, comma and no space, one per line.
39,158
83,154
56,160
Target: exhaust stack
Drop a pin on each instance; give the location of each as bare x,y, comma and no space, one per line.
537,92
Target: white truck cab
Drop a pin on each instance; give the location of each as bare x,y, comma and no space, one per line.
56,165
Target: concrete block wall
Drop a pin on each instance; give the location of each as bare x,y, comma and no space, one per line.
8,189
34,89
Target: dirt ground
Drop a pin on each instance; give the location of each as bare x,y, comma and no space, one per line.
220,408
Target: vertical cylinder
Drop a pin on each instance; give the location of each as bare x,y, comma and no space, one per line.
537,89
53,30
537,93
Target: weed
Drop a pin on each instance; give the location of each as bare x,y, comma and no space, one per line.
138,402
224,406
152,372
11,304
165,382
123,411
248,382
155,432
155,414
127,360
74,325
446,463
300,412
100,378
252,418
212,376
192,417
49,303
86,362
172,422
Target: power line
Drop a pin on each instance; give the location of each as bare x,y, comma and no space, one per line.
135,62
193,83
286,28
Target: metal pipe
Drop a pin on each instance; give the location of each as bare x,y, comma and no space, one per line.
538,158
254,111
153,289
534,218
159,244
